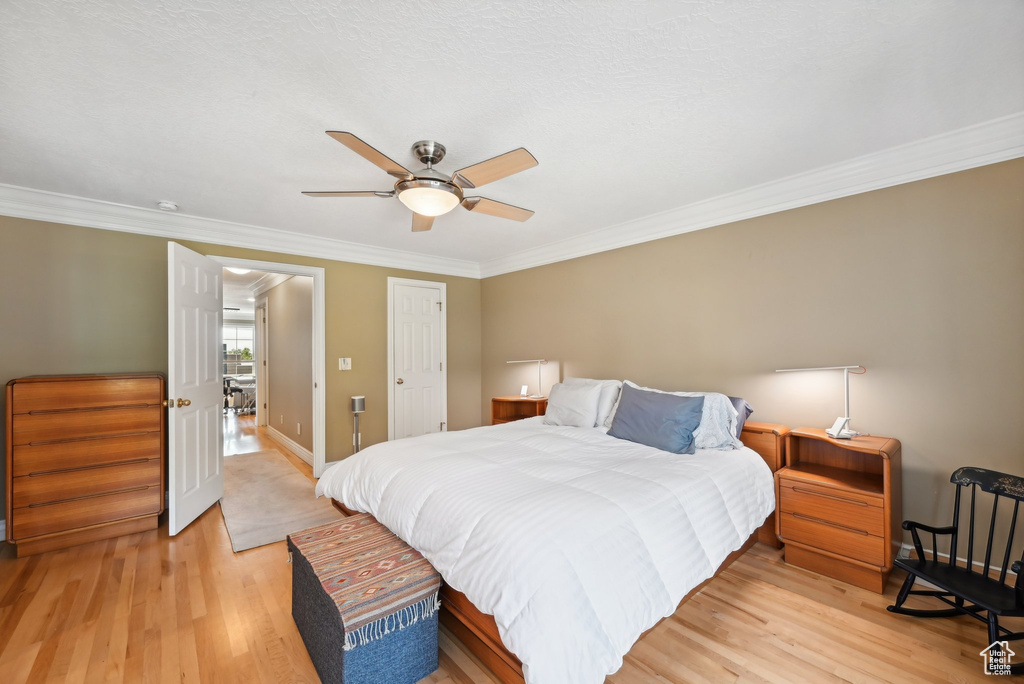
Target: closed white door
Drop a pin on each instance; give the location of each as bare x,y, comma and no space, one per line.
418,359
194,384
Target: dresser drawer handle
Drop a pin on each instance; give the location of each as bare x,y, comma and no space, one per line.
135,461
91,437
812,492
118,407
90,496
830,524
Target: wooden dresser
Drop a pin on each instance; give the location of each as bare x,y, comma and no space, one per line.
839,505
85,458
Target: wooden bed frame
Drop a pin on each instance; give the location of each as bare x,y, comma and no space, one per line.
478,631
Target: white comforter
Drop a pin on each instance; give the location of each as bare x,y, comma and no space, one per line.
575,541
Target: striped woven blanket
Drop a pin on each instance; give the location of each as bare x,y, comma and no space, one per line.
378,582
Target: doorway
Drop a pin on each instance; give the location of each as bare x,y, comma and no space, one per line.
198,359
290,411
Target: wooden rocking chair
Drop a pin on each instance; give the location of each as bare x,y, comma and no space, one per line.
967,590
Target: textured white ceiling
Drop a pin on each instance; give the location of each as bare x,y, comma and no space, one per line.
631,108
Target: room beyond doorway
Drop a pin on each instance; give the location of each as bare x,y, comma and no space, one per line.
267,354
273,352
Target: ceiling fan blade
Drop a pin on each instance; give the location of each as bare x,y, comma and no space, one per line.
421,223
371,154
494,208
494,168
352,193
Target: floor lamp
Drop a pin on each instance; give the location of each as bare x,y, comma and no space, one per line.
358,406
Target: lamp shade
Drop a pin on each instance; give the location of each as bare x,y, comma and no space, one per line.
428,198
358,404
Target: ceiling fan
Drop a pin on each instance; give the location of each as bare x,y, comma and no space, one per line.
430,193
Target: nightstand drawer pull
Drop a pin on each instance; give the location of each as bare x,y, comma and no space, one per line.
814,492
830,524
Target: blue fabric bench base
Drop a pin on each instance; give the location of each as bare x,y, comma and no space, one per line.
402,657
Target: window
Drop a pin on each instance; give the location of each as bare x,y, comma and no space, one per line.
238,350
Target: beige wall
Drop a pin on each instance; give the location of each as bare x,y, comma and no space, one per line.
290,359
80,300
922,283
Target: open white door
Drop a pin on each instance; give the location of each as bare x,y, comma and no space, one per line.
195,445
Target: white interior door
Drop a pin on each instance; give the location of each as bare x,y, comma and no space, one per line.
195,314
417,397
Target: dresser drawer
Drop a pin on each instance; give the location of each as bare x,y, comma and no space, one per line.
75,484
41,458
851,509
67,515
60,426
78,394
846,540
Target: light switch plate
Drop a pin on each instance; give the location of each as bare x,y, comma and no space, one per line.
345,364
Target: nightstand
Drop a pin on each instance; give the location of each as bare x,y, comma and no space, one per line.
839,505
507,409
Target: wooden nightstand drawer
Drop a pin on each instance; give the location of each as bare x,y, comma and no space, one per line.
847,508
847,540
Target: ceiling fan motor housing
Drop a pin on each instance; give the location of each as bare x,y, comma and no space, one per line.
429,152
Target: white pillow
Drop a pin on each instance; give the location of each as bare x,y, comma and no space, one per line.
717,429
609,397
573,405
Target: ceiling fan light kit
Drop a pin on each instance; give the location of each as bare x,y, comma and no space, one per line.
429,197
429,193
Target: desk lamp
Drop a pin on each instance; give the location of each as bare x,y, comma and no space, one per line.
840,429
539,363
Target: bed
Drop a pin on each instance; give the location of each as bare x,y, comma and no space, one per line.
638,530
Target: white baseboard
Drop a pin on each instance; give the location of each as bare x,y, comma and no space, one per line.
293,446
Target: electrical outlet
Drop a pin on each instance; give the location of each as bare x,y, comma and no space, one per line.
298,428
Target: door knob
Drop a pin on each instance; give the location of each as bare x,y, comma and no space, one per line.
184,402
400,381
169,403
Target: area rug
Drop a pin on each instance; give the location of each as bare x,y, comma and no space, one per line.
266,498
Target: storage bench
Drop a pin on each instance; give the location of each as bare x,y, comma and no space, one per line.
365,603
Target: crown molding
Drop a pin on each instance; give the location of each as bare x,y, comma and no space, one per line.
989,142
40,205
966,148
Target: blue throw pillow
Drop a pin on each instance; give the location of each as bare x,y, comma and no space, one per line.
663,421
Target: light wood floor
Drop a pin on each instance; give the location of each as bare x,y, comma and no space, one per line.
148,608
